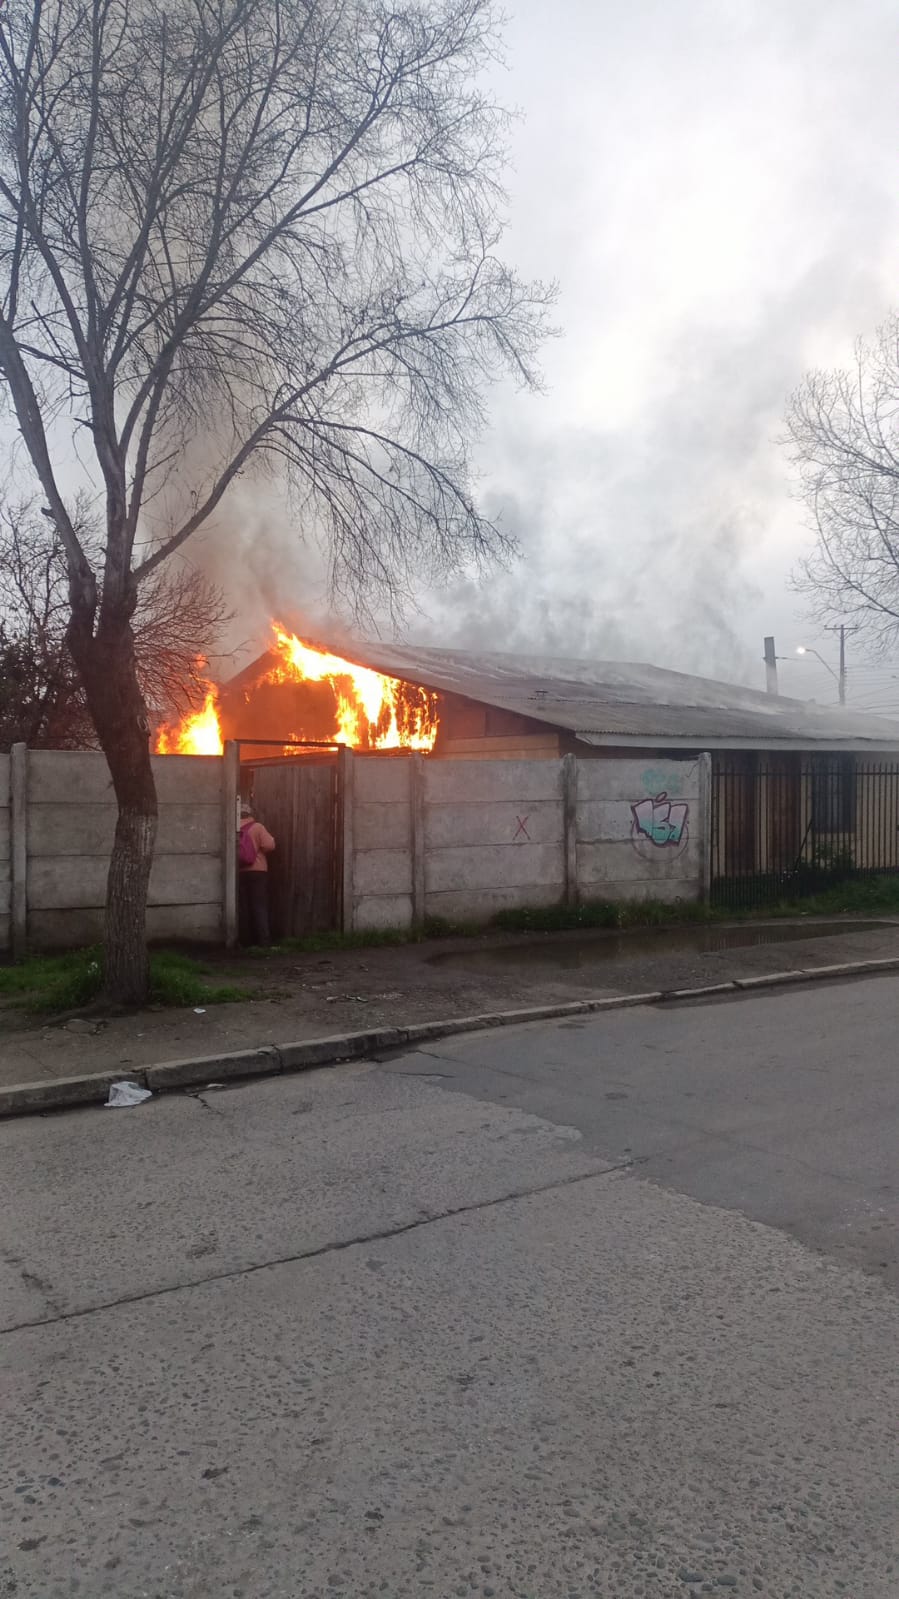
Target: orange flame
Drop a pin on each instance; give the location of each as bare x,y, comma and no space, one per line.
199,733
371,711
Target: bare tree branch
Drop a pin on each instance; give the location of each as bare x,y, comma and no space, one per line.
843,437
176,627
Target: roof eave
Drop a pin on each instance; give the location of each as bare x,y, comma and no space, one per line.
784,743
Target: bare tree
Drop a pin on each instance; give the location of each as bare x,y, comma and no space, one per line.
41,703
176,624
843,435
248,235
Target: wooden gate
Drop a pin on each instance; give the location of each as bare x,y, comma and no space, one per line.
297,800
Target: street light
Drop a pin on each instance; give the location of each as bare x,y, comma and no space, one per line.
806,649
839,679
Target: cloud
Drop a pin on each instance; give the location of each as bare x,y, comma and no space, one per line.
713,183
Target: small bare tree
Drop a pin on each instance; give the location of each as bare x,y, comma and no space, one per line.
843,436
176,625
246,235
41,702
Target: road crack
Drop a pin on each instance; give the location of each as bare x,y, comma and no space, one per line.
336,1246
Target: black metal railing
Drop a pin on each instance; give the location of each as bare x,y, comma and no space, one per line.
783,827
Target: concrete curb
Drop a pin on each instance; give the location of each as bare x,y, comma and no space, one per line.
269,1060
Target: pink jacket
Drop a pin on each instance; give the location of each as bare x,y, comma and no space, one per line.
264,842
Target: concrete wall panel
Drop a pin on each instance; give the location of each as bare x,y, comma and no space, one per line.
55,829
479,867
610,778
616,858
492,782
447,826
619,863
599,821
193,923
70,827
491,834
381,779
64,929
478,905
670,893
61,929
381,826
186,880
83,776
604,819
384,910
67,776
66,882
72,882
382,842
188,779
383,871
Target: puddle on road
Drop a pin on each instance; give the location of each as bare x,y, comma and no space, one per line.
570,951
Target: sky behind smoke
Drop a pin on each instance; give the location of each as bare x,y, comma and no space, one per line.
714,184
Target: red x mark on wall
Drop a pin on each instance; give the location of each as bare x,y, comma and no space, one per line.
521,830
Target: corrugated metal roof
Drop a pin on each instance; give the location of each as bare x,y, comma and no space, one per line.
609,702
601,701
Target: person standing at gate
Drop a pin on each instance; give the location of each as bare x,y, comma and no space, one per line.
254,846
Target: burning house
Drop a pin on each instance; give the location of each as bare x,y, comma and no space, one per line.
298,694
404,785
530,780
392,697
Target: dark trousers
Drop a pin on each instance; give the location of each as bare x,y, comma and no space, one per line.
254,928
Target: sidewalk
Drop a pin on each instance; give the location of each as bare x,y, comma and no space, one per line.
299,998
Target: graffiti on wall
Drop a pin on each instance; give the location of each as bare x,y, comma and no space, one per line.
656,778
660,823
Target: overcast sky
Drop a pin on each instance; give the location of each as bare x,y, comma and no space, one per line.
715,186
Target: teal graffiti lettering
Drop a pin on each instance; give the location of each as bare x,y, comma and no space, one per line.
656,781
659,821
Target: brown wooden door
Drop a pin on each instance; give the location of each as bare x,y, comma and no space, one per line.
297,803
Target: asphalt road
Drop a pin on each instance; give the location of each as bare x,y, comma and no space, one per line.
785,1108
590,1308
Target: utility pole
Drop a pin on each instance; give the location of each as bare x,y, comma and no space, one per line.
842,630
770,667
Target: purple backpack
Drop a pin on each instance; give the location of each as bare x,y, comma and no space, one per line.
246,847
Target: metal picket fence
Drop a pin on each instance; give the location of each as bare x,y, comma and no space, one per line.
783,827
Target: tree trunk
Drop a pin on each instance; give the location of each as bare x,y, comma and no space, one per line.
106,664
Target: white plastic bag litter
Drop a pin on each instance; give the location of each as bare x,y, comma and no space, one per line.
127,1094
